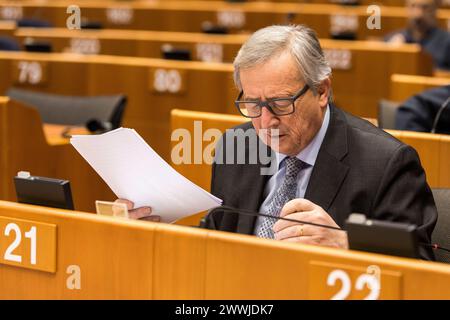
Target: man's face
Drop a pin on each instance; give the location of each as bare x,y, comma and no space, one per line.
421,14
279,78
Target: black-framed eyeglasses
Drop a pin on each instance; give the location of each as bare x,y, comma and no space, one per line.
278,106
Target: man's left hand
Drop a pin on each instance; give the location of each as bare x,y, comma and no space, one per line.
305,210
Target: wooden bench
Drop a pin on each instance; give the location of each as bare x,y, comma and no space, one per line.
361,69
26,146
405,86
391,3
153,86
237,17
7,28
85,256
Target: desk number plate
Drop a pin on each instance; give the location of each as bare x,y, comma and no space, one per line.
341,282
28,244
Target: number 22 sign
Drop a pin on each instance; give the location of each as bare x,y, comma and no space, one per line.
342,282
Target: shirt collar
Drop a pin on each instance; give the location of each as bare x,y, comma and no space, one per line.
309,154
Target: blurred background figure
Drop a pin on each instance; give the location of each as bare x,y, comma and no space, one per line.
426,111
9,44
423,29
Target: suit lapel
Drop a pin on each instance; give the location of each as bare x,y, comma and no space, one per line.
329,172
255,182
327,176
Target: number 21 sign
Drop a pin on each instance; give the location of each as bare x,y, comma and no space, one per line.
28,244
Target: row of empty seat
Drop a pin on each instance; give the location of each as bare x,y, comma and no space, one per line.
159,85
328,20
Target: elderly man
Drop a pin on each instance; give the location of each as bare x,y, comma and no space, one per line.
423,29
329,164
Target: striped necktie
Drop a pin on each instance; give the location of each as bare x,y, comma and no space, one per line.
286,192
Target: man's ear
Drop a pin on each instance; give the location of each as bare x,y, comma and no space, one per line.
324,92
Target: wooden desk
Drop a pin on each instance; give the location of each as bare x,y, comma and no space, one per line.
393,3
145,260
238,17
25,147
7,28
360,79
405,86
55,133
441,73
434,153
153,86
137,43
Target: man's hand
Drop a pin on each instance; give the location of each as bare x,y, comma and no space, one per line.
143,213
305,210
397,39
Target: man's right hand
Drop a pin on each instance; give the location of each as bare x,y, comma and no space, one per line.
142,213
397,39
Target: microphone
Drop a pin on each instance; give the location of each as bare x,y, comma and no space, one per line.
434,246
290,16
438,115
208,222
93,126
97,126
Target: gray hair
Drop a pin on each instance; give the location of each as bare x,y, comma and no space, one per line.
299,40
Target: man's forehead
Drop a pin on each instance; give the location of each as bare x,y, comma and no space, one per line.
275,70
257,87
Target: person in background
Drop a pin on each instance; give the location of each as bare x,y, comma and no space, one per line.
9,44
423,29
418,113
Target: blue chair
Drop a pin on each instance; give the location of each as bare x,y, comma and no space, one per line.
9,44
33,23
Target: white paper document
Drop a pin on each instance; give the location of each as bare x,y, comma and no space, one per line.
134,171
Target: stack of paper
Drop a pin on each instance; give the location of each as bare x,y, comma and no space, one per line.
134,171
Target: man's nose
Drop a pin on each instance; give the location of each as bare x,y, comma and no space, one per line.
268,119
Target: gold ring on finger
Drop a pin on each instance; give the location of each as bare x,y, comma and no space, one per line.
301,231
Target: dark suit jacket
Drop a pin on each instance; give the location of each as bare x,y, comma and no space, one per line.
418,112
436,43
359,169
